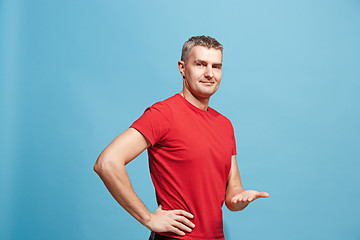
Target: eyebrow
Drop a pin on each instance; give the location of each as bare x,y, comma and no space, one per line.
202,61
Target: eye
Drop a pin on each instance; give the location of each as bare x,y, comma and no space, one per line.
217,66
199,64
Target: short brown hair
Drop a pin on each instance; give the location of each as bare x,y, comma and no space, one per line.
204,41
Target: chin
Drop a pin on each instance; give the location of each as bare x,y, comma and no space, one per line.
206,94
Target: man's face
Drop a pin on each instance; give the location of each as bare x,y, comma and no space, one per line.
202,71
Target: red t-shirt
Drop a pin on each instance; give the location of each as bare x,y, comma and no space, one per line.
189,160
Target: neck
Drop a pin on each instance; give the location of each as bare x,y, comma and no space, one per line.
201,103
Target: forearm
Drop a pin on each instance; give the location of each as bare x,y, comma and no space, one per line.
116,180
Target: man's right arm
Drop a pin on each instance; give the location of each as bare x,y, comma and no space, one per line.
110,166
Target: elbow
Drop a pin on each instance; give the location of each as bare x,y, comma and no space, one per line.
106,164
98,166
101,164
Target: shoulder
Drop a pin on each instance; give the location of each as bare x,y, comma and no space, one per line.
164,105
220,116
162,109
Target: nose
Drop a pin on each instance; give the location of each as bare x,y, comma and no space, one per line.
209,72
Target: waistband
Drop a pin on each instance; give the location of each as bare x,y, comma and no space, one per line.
155,236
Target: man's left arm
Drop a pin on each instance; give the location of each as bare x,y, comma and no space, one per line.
237,198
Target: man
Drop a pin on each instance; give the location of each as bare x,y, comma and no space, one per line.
191,150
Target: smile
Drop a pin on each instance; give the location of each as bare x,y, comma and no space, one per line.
207,83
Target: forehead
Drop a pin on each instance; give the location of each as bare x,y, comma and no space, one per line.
205,54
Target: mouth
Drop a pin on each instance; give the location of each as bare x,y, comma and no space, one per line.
208,83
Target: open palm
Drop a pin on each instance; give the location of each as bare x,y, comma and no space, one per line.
241,200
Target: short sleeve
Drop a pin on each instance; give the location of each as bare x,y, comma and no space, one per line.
154,123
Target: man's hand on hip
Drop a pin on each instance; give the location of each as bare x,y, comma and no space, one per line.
175,221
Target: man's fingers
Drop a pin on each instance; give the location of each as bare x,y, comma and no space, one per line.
250,198
185,221
263,195
175,221
244,198
182,226
238,200
184,213
176,231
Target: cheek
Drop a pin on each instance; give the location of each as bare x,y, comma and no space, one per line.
218,76
195,75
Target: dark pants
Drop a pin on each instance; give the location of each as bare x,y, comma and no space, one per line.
155,236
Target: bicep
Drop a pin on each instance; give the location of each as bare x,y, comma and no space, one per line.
125,147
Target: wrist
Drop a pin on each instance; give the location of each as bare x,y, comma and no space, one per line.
147,221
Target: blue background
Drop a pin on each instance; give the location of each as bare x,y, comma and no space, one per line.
75,74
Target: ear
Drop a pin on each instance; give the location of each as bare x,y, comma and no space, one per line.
181,65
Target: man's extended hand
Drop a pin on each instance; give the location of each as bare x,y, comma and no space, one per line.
175,221
241,200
